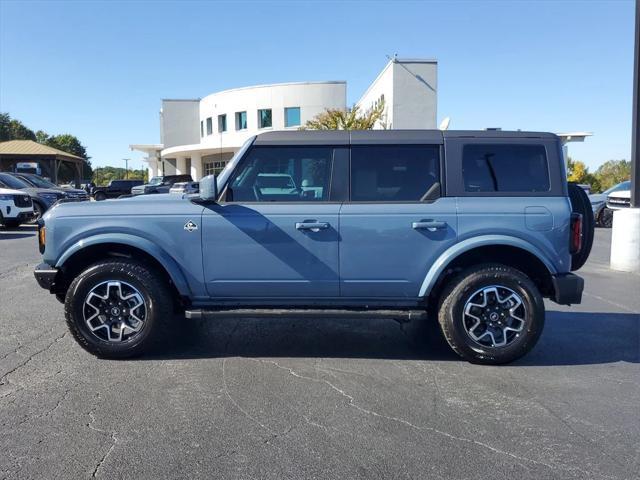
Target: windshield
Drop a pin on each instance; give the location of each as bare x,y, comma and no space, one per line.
155,181
13,182
621,186
39,182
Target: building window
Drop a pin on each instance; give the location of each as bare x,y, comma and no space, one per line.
241,120
222,123
209,126
201,128
264,118
292,117
211,168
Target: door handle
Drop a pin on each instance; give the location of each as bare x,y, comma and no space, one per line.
430,225
313,226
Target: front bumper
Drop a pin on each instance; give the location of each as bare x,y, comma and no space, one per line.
46,276
567,288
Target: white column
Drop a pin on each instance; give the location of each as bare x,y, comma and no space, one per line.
153,167
196,167
625,240
181,165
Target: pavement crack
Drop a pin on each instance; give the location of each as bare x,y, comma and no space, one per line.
111,435
352,403
32,356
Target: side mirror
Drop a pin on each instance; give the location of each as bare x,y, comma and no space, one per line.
209,188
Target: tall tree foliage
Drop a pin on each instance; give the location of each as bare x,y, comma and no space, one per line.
348,119
103,175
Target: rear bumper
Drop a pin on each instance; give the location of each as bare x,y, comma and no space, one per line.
46,276
567,288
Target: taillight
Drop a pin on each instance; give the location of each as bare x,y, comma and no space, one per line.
575,242
42,236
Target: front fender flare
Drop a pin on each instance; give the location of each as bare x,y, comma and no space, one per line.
166,260
456,250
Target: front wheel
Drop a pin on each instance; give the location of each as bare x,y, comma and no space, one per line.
491,314
114,308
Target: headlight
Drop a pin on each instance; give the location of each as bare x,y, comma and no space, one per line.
51,197
6,197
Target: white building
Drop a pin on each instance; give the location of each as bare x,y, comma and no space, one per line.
199,136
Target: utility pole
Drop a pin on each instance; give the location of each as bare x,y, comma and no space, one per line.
126,167
625,234
635,133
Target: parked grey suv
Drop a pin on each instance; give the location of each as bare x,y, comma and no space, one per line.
42,198
472,228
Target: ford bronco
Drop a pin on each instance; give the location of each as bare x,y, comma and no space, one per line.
471,228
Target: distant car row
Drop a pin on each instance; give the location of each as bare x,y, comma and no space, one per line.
162,184
615,198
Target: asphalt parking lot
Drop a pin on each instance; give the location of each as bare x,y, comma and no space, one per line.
281,398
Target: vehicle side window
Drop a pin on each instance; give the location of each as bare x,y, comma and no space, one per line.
505,168
394,173
282,174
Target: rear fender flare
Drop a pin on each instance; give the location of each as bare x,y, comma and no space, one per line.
458,249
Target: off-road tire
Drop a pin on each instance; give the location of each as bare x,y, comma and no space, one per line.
461,288
100,196
580,204
146,280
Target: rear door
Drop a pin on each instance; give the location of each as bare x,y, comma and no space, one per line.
275,233
396,223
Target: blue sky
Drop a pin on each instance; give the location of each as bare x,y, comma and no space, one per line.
99,69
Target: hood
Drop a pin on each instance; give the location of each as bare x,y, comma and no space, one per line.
10,191
35,191
621,194
159,204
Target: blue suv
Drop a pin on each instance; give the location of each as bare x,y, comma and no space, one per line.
471,228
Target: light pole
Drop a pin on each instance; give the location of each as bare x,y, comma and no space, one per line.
625,235
126,167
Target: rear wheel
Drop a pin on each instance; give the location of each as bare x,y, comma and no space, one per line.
115,308
100,196
491,314
580,204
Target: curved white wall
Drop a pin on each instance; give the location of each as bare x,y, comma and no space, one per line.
311,97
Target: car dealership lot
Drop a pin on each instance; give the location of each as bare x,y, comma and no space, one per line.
283,398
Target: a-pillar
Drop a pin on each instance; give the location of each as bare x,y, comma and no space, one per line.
196,167
181,166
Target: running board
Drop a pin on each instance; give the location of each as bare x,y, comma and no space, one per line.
400,315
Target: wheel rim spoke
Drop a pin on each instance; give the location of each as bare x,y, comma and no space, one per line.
494,316
115,311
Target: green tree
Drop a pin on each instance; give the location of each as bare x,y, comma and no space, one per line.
578,172
613,172
348,119
103,175
12,129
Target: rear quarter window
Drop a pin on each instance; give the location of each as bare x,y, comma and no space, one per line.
505,168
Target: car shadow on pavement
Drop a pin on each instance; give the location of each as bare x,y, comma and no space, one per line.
14,233
569,338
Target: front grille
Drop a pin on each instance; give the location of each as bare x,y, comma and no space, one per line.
22,201
77,195
619,202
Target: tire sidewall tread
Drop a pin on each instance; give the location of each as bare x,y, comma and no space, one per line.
156,295
457,292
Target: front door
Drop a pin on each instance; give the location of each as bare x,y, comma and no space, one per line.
396,224
275,235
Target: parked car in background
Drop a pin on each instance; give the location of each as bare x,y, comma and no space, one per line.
115,189
473,228
16,207
601,213
161,184
619,199
185,187
71,193
42,198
